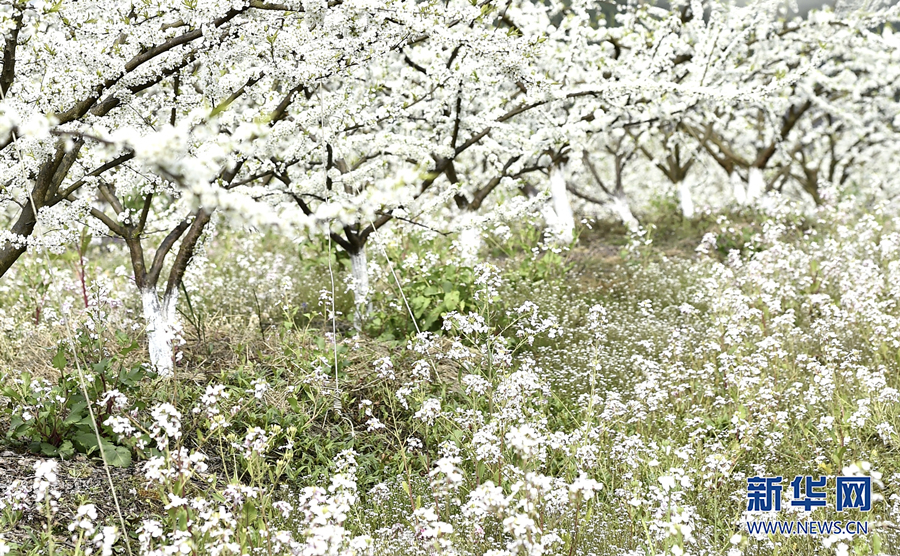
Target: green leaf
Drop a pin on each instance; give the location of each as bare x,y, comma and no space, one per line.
117,456
16,426
66,449
87,441
101,366
76,413
419,304
250,508
59,360
432,318
48,449
451,300
431,291
131,378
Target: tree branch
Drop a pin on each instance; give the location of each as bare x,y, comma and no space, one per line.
108,166
113,226
160,256
788,122
186,250
142,220
112,101
82,107
580,195
8,74
110,197
234,96
593,170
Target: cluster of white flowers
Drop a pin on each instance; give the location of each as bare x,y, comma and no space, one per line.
44,480
166,424
85,532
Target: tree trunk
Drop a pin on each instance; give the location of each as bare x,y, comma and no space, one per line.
469,243
686,199
740,192
359,268
564,225
11,251
755,185
160,330
161,318
621,208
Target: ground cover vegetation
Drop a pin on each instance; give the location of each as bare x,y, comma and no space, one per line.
487,278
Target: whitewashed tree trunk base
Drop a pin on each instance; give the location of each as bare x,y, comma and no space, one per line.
621,208
755,185
359,269
564,225
740,192
686,199
469,244
160,330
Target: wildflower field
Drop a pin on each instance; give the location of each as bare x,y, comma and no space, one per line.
608,398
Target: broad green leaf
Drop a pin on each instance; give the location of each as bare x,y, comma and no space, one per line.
117,456
451,300
59,360
76,413
87,440
66,449
432,290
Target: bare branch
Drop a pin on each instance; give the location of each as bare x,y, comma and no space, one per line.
160,256
260,5
234,96
455,134
186,250
580,195
110,197
145,210
788,122
590,165
414,223
113,226
414,65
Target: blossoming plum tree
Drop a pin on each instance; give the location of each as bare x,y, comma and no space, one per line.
175,103
485,101
768,105
813,131
628,84
372,143
339,116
